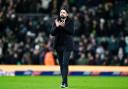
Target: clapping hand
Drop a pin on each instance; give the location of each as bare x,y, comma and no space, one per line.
60,23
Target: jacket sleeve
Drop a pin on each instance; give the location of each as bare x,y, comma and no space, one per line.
53,30
69,28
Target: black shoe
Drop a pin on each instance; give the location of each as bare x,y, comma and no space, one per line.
64,85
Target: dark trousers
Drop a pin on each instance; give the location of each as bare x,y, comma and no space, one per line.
63,57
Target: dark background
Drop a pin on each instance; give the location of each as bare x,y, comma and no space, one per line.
101,31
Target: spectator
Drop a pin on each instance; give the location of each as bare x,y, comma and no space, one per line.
49,58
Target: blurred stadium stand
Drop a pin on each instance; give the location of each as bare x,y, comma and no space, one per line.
101,31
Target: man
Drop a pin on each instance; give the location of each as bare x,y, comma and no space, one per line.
63,30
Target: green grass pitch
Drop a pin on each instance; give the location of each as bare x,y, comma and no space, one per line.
53,82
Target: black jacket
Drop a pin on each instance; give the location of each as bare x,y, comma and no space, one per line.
63,36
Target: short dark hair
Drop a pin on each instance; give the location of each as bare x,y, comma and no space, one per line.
65,8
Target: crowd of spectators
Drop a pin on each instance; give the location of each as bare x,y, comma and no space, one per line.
101,31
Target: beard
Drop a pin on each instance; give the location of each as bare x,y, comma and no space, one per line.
63,17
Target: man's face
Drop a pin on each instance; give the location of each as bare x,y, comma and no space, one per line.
63,14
